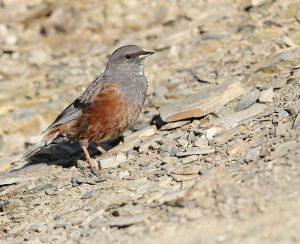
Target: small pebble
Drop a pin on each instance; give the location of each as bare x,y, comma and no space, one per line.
89,194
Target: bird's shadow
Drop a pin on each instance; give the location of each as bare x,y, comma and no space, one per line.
67,154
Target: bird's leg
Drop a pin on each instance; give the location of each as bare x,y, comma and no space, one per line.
99,148
88,157
103,151
94,168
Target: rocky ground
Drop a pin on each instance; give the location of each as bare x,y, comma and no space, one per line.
214,157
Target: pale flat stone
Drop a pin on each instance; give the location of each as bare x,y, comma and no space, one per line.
174,125
110,162
5,109
180,178
296,122
238,148
189,159
171,196
252,154
266,96
238,117
247,100
121,158
200,142
203,102
146,132
126,221
196,151
227,135
185,170
211,132
133,139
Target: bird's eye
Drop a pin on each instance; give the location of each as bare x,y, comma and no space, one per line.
128,56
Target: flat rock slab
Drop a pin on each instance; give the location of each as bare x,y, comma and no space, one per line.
171,126
126,221
247,100
266,96
196,151
203,102
109,162
234,119
30,172
133,139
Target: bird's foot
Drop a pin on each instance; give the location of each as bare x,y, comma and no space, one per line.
96,171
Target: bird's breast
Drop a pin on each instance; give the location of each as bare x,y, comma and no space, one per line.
109,115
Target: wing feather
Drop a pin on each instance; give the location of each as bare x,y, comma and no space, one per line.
75,109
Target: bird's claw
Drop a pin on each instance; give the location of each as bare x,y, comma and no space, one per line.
96,171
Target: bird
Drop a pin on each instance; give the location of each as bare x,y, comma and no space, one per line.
105,109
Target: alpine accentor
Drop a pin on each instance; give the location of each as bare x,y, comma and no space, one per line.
106,108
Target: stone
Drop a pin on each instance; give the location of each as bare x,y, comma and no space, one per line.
238,148
132,139
282,149
224,111
185,170
202,103
4,219
143,133
233,120
196,151
9,181
189,159
37,228
225,136
201,141
169,197
5,109
183,142
175,38
89,194
296,123
211,132
282,128
109,162
180,178
126,221
60,226
39,56
266,96
252,154
174,125
12,204
289,42
121,158
123,174
84,180
144,146
51,192
247,100
63,19
96,221
75,222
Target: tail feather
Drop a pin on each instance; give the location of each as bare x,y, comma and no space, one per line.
43,143
33,150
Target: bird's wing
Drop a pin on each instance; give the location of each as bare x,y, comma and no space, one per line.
75,109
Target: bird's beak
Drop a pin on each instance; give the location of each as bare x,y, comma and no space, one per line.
145,54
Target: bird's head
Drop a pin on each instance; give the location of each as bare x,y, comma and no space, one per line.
128,58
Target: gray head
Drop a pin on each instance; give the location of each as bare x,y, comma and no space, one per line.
128,58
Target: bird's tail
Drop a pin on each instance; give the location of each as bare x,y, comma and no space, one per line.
34,149
45,142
